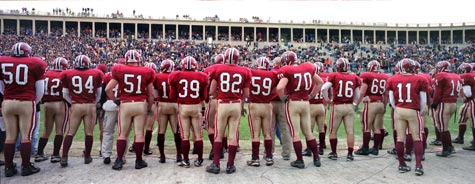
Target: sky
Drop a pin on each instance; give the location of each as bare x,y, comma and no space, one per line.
370,11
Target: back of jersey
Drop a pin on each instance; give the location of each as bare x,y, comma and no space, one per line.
406,90
344,86
231,81
53,87
133,81
376,85
19,75
262,84
82,84
300,78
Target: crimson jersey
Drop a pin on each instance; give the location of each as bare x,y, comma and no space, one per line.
446,88
300,78
82,84
376,85
19,74
318,99
262,84
275,96
406,90
107,78
468,79
428,81
163,87
133,81
53,86
231,80
188,87
344,86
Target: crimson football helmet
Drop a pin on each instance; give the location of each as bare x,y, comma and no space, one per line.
219,59
231,56
408,66
263,63
167,66
82,62
132,56
151,65
318,67
60,64
342,65
418,66
465,68
374,66
102,68
189,64
442,66
289,58
21,49
397,68
121,61
473,66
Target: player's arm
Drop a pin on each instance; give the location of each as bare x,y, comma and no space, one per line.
2,86
98,94
423,100
391,98
437,93
362,94
109,89
245,94
66,96
213,88
318,85
39,90
281,88
150,97
325,89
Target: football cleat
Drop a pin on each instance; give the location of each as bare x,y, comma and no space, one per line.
29,170
298,164
320,151
458,140
374,151
407,157
269,161
64,161
107,160
147,152
307,153
55,159
445,153
362,151
179,158
230,169
41,158
254,162
139,164
185,164
317,162
419,171
87,160
9,172
213,168
118,164
333,156
350,158
469,148
404,169
436,143
198,162
162,160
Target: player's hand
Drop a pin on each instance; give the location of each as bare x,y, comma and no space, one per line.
355,107
203,109
284,98
117,102
98,105
243,112
434,106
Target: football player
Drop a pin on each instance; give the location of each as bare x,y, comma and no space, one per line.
260,110
22,86
345,93
167,110
397,69
230,85
135,99
373,86
150,118
468,92
110,120
318,112
82,90
464,69
446,92
407,94
55,109
190,90
297,85
99,111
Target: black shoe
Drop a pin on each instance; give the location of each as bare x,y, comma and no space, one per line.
469,148
100,153
147,152
269,161
362,151
9,172
392,151
423,157
436,143
419,171
458,140
254,162
162,160
350,158
317,162
307,153
298,164
55,159
2,163
131,149
87,160
213,168
320,151
404,169
107,160
333,156
41,158
139,164
64,161
451,150
407,157
445,153
198,162
386,133
118,164
374,151
324,146
185,164
179,159
29,170
230,169
211,155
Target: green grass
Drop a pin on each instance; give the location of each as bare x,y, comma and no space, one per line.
244,133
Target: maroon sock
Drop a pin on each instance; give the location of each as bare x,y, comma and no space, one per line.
138,148
9,153
185,147
58,140
148,139
25,152
394,137
366,138
400,153
121,145
211,139
231,154
312,144
449,139
198,145
41,145
68,140
443,139
225,143
350,151
409,144
255,149
161,144
462,129
298,149
438,135
424,138
268,147
321,140
383,132
418,152
88,142
333,143
178,144
325,128
217,147
473,133
377,141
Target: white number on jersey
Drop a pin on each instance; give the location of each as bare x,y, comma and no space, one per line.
348,89
307,78
408,93
164,87
455,88
53,90
19,70
378,86
266,85
226,84
194,87
130,85
78,84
